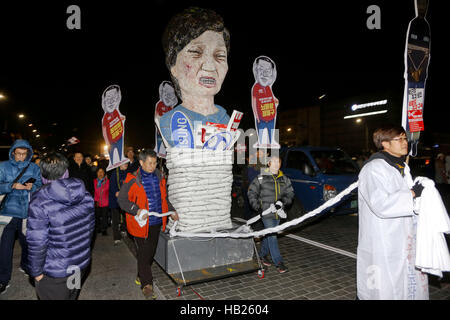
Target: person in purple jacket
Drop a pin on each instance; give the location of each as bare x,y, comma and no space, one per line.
61,222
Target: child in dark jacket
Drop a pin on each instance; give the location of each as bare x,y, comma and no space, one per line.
59,231
271,187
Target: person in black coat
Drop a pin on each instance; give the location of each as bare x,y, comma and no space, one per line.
134,163
79,169
116,180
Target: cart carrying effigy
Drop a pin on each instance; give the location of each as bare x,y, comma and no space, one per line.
189,261
199,187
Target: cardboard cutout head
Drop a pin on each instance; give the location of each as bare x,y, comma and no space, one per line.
111,98
264,71
167,94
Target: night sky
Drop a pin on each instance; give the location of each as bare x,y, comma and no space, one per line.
56,75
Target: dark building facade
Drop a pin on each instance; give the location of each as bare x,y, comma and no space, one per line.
325,124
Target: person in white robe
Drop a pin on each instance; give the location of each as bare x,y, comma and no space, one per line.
387,223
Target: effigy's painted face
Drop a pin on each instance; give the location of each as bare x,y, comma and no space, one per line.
202,65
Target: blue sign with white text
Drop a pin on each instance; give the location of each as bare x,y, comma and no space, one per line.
182,133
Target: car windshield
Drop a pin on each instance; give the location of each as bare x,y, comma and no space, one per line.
334,162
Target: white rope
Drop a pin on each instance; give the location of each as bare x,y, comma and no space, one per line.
244,231
178,261
160,215
269,210
142,222
199,188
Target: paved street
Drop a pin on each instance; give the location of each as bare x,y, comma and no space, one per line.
322,268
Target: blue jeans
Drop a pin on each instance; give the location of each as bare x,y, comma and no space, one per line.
269,244
6,249
117,145
269,125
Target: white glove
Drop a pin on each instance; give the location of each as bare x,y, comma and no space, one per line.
282,214
280,211
142,222
279,203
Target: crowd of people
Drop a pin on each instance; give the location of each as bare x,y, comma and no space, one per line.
56,205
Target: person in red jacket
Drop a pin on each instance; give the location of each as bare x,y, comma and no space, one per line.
101,198
145,191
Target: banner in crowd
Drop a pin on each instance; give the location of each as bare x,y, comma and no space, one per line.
167,101
73,140
113,126
264,103
417,58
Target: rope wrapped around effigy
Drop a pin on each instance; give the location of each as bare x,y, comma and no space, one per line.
199,188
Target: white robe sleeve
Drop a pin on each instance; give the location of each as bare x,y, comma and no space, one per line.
385,191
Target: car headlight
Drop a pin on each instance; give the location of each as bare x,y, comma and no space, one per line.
329,192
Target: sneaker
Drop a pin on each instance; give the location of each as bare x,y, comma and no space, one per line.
282,268
148,292
117,242
137,281
3,288
266,262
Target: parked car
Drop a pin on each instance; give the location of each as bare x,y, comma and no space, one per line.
319,174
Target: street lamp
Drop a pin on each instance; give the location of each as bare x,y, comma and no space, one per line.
105,150
21,116
2,96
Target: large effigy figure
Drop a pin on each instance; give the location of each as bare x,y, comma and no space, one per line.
196,45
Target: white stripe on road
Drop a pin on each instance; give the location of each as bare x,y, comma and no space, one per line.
321,245
314,243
